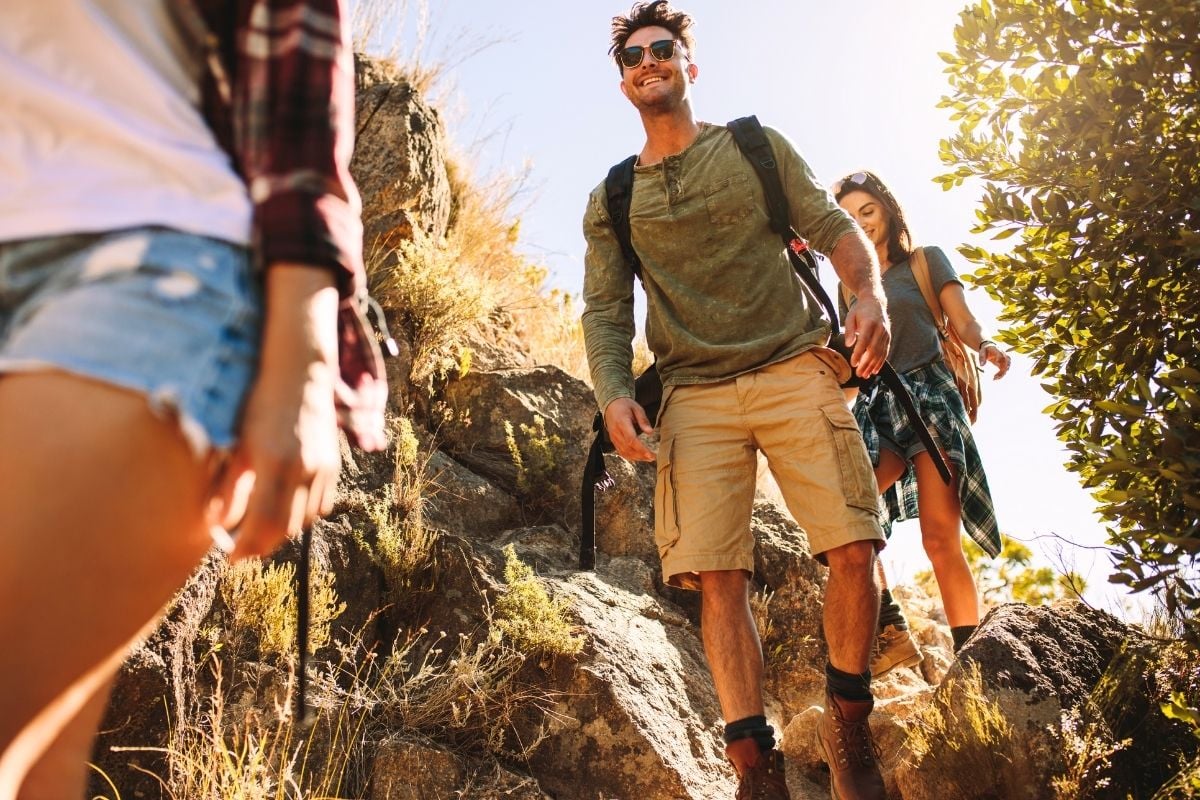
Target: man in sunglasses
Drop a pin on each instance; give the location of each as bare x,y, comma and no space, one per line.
741,350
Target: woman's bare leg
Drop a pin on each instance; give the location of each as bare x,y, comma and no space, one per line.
941,534
102,518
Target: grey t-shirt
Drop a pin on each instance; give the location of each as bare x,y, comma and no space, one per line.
914,335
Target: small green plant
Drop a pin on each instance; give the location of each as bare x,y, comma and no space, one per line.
262,606
401,545
529,618
403,548
538,457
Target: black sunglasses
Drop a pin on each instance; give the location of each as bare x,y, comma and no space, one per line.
662,50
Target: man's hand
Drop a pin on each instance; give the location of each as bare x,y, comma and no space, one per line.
868,331
283,473
625,419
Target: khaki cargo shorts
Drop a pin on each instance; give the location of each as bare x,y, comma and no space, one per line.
795,413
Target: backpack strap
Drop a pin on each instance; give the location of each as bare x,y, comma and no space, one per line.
752,140
618,187
618,190
920,270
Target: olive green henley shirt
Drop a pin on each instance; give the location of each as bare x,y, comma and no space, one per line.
722,298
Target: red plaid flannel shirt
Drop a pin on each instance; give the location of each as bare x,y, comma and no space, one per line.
278,92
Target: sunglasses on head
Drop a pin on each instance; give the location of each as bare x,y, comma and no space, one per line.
857,179
662,50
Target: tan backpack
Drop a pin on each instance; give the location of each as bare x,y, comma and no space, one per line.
961,359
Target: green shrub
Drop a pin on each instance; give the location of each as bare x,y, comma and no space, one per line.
261,602
528,617
538,458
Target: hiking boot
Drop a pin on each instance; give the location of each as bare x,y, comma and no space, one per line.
893,648
765,780
845,740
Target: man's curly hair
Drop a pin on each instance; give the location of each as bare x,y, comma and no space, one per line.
658,13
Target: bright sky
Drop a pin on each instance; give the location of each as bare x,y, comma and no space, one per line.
854,85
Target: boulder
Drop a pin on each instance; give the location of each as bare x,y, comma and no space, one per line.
399,161
1003,738
481,403
638,716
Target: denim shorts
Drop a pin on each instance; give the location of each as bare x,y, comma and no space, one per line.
173,316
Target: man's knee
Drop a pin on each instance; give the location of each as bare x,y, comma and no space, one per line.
857,558
725,584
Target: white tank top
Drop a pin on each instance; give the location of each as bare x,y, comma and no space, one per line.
100,125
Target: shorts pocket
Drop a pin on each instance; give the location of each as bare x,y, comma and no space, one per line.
858,479
666,499
729,201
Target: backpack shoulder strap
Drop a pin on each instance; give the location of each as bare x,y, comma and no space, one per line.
752,141
920,271
618,187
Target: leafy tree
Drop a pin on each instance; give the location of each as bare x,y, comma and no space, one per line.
1082,119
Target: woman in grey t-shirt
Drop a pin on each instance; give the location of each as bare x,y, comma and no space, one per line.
906,475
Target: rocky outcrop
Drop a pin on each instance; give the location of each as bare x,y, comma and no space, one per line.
399,159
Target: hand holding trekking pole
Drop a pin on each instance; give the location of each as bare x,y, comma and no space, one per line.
625,419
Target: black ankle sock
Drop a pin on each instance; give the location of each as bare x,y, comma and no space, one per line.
755,728
960,634
890,612
847,684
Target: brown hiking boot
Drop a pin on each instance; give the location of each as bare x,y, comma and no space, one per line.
845,740
765,780
893,648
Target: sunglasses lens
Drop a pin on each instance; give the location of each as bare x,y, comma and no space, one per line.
631,56
858,178
663,49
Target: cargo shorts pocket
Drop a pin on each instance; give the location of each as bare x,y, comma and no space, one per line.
854,465
666,499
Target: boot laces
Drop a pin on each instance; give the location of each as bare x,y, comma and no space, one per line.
855,747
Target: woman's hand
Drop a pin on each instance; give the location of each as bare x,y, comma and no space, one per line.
283,472
989,351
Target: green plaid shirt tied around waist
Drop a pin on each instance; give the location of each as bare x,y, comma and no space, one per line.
936,397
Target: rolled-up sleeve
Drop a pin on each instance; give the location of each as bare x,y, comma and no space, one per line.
293,118
608,325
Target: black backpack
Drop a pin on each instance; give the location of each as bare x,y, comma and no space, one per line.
752,141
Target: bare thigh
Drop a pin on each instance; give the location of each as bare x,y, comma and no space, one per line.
101,521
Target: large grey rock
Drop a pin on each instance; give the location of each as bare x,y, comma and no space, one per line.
399,159
638,717
1034,664
464,502
481,403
